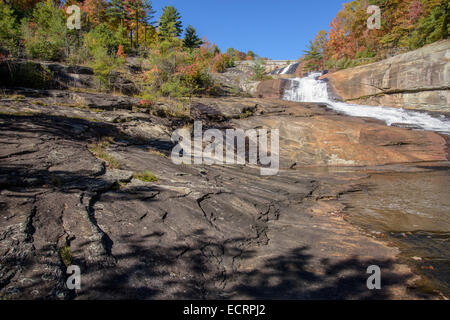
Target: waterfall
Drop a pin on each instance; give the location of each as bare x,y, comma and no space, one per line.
290,69
311,89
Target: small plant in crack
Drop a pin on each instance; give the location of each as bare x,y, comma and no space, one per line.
99,150
66,255
145,176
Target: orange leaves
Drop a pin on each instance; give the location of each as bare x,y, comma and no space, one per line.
189,70
220,63
145,103
95,10
121,52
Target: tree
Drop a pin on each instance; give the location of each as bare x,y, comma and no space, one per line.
21,8
191,39
9,33
170,23
95,11
434,25
250,55
116,12
45,33
140,12
314,57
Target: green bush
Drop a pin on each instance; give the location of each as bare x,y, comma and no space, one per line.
176,72
45,32
174,88
9,32
102,36
102,45
259,72
104,64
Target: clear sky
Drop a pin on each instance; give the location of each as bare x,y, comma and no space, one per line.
277,29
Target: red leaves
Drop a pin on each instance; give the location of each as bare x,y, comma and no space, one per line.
415,11
121,52
145,103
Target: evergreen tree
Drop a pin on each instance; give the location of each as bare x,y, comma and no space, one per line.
116,12
140,12
170,23
95,11
314,57
147,18
9,34
45,34
191,40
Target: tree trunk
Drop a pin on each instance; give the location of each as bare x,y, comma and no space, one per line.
137,29
131,39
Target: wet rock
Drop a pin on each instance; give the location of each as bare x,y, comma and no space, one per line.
417,80
272,89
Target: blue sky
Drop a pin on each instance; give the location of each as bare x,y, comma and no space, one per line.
277,29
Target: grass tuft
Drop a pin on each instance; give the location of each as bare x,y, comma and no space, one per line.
66,255
99,150
145,176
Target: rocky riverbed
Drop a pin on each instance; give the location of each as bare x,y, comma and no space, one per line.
72,193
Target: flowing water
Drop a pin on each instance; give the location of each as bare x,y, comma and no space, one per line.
410,209
310,89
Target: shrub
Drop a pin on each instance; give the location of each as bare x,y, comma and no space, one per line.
259,72
221,62
177,73
44,34
104,65
101,36
175,88
99,150
102,44
66,255
9,32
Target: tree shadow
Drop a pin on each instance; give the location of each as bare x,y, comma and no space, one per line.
154,267
177,272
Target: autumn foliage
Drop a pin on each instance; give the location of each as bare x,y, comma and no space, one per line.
405,25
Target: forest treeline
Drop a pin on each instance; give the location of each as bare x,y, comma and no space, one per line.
111,31
405,25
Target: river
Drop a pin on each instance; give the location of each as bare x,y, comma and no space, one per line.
408,207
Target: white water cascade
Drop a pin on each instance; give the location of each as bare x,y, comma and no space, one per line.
310,89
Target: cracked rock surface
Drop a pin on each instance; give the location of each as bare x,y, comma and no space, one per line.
198,232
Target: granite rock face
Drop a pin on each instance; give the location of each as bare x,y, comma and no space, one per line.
200,231
418,79
49,75
272,89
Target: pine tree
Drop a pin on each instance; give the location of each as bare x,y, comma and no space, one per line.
45,34
139,12
95,11
116,12
9,33
170,23
147,18
315,55
191,39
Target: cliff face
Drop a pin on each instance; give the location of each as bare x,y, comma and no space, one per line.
272,89
418,79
